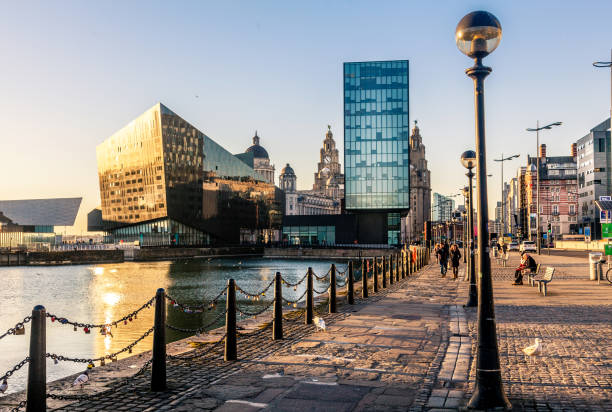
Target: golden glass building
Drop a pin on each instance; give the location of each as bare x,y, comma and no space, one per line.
153,174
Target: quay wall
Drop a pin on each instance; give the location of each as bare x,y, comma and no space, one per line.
183,253
324,253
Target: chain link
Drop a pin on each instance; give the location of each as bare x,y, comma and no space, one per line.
296,300
196,308
89,326
322,277
294,285
256,295
14,369
245,313
20,405
201,328
319,292
18,326
62,358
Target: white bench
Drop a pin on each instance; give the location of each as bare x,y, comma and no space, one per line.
531,275
548,277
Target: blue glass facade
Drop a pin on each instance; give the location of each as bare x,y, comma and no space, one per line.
376,135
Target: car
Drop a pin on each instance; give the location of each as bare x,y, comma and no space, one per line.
513,246
528,246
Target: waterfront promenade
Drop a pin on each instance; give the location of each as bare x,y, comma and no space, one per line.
408,347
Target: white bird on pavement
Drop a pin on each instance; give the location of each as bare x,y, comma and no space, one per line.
82,379
319,323
535,349
4,386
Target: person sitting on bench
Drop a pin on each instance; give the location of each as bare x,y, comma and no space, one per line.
527,262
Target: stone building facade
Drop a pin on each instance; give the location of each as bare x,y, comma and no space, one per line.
261,160
420,189
328,179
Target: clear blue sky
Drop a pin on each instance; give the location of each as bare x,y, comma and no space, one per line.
75,72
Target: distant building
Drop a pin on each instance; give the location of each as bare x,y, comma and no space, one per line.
261,160
558,193
164,182
31,222
594,170
305,202
376,148
511,207
442,208
420,189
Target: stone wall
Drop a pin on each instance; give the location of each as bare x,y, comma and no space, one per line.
178,253
74,257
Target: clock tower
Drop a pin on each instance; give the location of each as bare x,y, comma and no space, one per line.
329,178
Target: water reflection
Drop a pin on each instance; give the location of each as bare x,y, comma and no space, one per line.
102,294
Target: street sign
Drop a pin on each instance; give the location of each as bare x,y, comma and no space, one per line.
608,250
606,230
608,198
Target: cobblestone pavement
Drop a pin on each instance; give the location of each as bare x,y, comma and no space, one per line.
574,322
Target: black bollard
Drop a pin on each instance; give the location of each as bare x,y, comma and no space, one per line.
391,270
37,368
364,279
158,364
309,297
397,267
277,324
384,272
403,264
350,292
332,289
375,268
231,349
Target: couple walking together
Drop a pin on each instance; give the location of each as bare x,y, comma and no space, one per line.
444,253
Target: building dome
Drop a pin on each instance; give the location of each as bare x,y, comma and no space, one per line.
258,151
287,170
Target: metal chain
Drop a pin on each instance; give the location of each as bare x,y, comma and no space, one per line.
15,368
201,328
196,308
256,295
89,326
343,284
245,313
199,354
19,406
114,387
62,358
341,272
293,285
322,277
321,292
18,326
296,300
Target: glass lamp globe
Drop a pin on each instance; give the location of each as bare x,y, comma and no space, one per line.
468,159
478,34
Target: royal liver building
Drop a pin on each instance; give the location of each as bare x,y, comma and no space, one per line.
420,189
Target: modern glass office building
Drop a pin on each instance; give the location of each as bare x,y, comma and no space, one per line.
164,182
376,145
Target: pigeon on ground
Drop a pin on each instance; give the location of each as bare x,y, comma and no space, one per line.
319,323
82,379
535,349
4,386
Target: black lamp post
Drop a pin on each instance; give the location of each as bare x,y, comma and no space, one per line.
477,35
468,160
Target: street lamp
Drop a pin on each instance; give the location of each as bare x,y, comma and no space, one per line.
537,130
477,35
503,159
468,160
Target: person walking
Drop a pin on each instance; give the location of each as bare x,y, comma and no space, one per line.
455,256
447,252
442,260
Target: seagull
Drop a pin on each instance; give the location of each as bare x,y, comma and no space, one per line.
4,386
535,349
82,379
319,323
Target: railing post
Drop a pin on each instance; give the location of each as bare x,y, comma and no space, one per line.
350,290
384,272
277,324
37,368
364,278
158,364
398,267
309,297
375,268
391,260
231,349
332,289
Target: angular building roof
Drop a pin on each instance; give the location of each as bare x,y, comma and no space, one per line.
42,212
